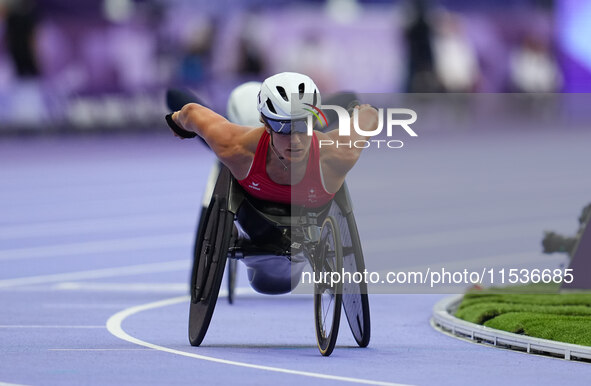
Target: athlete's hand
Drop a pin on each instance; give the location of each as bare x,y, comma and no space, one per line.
366,106
178,131
367,117
355,105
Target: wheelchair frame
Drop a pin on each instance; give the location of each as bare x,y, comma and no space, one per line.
218,239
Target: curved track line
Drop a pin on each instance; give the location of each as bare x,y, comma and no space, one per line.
114,327
127,270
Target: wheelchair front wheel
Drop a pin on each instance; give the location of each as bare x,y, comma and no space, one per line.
327,295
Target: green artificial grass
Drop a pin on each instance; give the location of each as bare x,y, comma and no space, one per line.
562,317
562,328
483,312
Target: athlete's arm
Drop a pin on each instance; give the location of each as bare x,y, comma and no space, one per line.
231,143
336,161
340,159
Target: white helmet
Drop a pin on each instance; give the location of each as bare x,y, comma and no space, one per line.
242,105
276,100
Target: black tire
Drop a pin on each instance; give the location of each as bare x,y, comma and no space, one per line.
327,296
197,246
208,267
355,298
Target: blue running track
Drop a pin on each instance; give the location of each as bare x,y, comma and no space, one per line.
96,238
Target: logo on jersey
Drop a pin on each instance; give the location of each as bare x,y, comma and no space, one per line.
254,185
312,197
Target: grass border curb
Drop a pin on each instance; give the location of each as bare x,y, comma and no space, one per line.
443,319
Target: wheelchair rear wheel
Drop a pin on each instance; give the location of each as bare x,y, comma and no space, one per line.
355,298
208,267
327,295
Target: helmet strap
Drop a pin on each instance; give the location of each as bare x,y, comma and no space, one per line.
280,158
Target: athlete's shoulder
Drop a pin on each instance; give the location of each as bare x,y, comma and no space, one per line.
337,154
323,139
239,155
327,145
251,137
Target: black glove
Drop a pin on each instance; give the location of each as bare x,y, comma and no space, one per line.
177,129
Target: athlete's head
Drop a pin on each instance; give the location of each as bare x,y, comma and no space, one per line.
285,101
242,104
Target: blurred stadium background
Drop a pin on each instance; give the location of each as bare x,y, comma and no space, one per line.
68,65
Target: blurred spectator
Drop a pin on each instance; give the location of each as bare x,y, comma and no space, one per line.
23,102
456,63
20,34
311,55
418,34
250,62
195,62
533,68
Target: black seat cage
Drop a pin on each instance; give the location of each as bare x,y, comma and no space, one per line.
285,222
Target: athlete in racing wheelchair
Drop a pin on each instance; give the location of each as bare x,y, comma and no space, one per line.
279,203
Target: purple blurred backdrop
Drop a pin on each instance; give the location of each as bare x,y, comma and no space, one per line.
106,63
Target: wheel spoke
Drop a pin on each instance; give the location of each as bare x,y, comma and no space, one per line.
327,309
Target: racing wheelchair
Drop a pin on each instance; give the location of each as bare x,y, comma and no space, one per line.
275,242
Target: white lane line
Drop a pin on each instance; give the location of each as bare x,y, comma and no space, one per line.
48,326
83,305
176,265
114,326
99,246
124,287
52,209
111,224
10,384
100,349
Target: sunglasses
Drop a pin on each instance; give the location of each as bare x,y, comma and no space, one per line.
287,127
